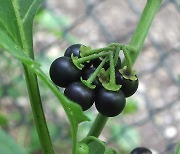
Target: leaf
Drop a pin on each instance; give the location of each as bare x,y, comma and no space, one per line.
8,145
16,18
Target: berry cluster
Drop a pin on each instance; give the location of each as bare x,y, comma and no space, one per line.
89,84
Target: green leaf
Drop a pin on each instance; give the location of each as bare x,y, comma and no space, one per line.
177,150
8,145
16,18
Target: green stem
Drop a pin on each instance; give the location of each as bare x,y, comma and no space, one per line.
116,56
142,29
38,114
91,57
94,51
93,76
98,125
112,70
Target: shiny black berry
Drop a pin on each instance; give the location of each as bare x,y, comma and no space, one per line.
80,94
73,49
63,72
141,150
110,103
129,87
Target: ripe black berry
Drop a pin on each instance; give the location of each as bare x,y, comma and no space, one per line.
63,72
80,94
141,150
110,103
129,87
73,49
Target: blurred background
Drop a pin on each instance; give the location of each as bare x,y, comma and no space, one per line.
151,117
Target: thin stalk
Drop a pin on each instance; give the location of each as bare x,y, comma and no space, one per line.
98,125
112,80
98,69
94,51
142,29
91,57
116,56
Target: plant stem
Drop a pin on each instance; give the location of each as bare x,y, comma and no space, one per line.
33,89
94,51
116,56
98,125
91,57
112,80
142,29
38,114
98,69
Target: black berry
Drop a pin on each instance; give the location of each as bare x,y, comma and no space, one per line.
63,72
110,103
80,94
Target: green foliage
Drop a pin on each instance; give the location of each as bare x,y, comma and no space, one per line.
8,145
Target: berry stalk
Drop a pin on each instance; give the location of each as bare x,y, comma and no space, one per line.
98,125
95,51
93,76
90,80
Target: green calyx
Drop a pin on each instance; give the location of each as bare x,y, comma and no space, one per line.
128,73
88,84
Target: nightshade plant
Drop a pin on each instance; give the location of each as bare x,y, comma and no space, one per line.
16,23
